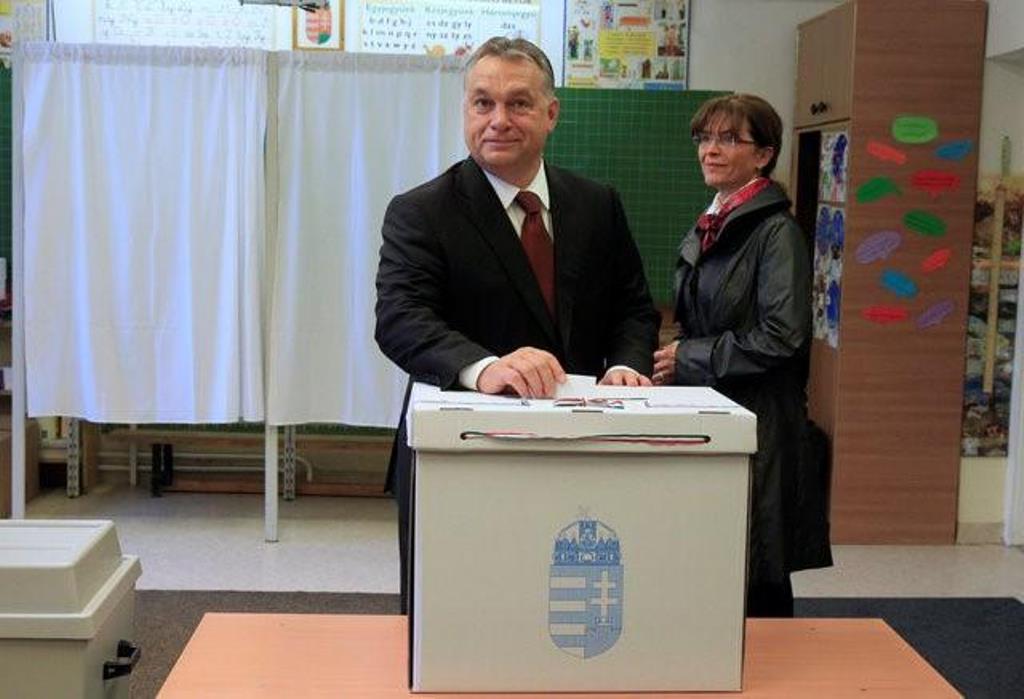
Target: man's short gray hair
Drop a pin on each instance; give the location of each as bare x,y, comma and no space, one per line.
515,50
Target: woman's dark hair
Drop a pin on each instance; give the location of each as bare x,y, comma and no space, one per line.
738,110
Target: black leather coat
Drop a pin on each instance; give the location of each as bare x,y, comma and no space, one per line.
744,312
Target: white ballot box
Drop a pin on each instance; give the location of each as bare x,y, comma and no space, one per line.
592,543
65,610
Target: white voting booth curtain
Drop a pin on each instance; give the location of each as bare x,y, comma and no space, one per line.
143,231
146,272
353,131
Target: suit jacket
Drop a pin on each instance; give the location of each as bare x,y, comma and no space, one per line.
454,286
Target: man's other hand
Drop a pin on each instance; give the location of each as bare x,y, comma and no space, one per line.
624,377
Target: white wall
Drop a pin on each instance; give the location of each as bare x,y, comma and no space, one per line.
1002,113
750,46
1005,27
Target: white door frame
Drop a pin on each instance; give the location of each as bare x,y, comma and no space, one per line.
1013,519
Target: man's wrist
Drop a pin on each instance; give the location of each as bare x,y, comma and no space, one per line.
470,375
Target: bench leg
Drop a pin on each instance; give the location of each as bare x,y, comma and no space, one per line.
156,473
168,464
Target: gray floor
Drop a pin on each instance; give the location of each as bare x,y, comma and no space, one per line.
192,541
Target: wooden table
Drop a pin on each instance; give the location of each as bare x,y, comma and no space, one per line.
312,655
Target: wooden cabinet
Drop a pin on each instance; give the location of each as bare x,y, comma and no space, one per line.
887,381
825,68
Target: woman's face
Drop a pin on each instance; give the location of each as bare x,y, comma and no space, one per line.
726,168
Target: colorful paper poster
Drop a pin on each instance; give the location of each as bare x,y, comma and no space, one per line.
635,44
987,415
835,146
22,20
443,27
6,30
320,28
829,233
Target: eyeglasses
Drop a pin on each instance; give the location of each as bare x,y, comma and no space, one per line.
725,140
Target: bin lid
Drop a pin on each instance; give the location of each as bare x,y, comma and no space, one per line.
55,566
600,418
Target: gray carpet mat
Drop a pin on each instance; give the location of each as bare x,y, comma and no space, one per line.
977,644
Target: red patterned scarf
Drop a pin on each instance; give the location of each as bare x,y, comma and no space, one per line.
710,225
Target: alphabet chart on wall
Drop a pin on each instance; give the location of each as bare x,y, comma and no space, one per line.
441,28
184,23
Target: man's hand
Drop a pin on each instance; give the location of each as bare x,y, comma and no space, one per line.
624,377
665,365
529,372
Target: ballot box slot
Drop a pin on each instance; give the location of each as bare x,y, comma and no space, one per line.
615,438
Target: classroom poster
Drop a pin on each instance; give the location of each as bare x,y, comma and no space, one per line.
987,415
22,20
184,23
829,233
443,27
833,166
319,28
639,44
826,292
6,30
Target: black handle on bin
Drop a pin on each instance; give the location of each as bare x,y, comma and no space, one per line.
128,655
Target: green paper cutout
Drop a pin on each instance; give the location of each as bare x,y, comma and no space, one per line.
924,223
914,129
876,188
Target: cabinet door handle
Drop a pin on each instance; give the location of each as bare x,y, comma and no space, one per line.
819,107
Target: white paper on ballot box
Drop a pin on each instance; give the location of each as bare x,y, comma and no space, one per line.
669,409
576,386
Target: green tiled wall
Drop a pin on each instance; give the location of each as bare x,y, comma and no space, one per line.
639,142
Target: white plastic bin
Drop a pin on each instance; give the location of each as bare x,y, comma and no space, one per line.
67,596
582,545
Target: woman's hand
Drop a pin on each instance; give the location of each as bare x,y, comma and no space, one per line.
665,365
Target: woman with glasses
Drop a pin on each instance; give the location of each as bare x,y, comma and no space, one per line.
743,307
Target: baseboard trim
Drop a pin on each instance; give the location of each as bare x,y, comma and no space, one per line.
979,532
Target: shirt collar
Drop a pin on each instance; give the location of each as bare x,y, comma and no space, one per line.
507,192
717,202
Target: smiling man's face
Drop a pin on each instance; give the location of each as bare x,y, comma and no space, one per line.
507,116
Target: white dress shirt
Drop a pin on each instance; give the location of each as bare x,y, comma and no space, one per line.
507,195
507,192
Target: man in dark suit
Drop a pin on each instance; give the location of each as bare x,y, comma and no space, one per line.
485,287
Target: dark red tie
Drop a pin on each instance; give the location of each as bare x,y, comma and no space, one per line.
538,246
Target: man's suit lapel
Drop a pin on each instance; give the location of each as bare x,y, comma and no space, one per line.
484,209
570,241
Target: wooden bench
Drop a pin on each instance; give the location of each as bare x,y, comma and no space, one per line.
251,444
